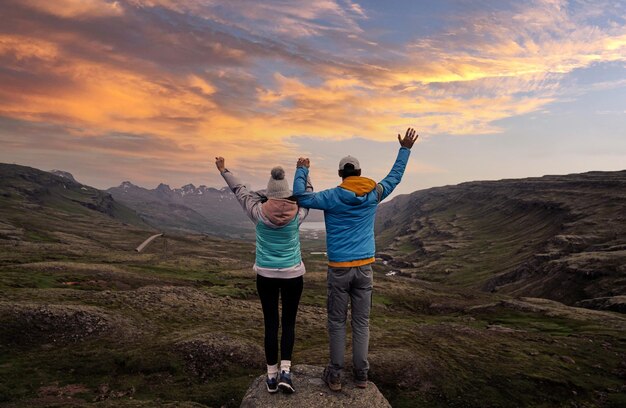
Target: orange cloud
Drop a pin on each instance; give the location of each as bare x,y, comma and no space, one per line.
77,8
22,48
192,82
369,100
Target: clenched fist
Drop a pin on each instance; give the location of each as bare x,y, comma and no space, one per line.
303,162
219,163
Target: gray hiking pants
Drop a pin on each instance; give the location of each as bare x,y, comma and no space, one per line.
354,285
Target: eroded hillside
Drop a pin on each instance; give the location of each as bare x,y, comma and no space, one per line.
557,237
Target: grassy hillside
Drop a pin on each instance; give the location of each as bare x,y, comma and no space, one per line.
58,202
87,321
558,237
107,326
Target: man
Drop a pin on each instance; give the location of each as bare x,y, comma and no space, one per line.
349,212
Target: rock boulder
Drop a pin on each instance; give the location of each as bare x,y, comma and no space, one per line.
311,391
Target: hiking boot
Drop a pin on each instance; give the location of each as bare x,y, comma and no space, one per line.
360,379
285,384
271,384
333,380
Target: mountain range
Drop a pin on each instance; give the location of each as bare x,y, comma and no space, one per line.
189,208
554,237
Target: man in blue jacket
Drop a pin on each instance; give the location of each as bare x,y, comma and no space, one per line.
349,212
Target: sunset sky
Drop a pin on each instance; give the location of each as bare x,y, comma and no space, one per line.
152,90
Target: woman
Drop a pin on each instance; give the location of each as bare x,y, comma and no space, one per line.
278,265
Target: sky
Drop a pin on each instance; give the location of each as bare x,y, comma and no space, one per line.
151,91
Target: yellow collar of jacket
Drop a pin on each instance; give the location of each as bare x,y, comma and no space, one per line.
358,185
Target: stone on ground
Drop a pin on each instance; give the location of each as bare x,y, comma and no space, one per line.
311,391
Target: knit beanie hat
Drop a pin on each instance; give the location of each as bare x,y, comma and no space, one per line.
278,187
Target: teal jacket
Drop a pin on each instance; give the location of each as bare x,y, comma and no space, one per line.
277,230
350,209
278,247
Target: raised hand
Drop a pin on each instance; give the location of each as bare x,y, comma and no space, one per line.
303,162
219,163
409,138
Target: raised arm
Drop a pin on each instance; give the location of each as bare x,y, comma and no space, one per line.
305,195
302,211
389,183
249,200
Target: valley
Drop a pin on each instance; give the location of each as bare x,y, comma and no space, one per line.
88,321
555,237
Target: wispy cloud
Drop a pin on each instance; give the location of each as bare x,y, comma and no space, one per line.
77,8
201,77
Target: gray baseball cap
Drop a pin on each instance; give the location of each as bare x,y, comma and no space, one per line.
349,160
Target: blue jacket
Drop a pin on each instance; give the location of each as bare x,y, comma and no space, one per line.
350,210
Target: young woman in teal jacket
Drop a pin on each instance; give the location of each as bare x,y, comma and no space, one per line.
278,265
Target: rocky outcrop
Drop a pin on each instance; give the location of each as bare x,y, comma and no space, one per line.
311,391
207,354
27,324
615,303
64,174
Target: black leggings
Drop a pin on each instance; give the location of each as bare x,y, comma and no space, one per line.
290,291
